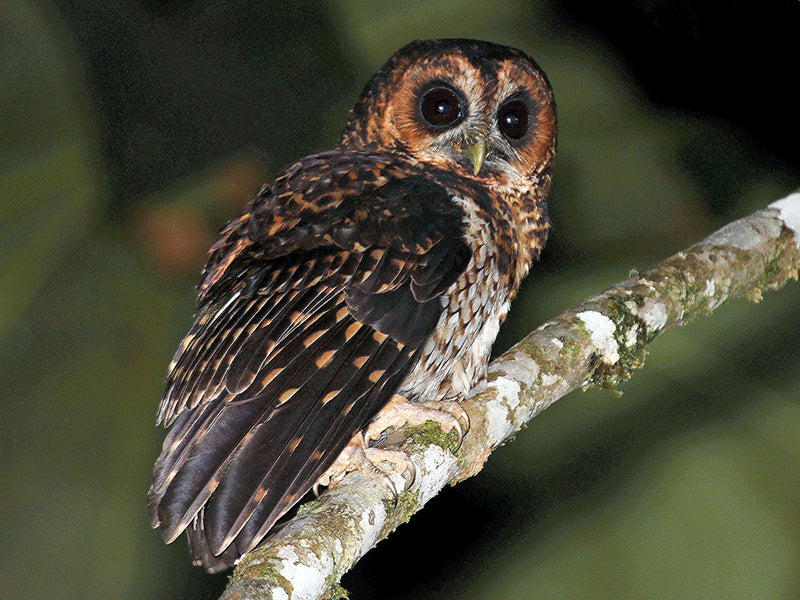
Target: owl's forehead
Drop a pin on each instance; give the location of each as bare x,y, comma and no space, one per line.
451,67
457,61
475,75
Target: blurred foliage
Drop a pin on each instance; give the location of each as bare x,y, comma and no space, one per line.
129,132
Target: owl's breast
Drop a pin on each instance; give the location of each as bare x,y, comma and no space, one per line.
455,356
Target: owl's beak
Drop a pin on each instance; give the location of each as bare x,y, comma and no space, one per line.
476,153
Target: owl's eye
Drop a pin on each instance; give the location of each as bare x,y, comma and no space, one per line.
441,107
512,119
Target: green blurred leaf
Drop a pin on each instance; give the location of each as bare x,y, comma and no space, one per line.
51,182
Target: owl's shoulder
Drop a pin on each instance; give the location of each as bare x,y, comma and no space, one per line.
344,199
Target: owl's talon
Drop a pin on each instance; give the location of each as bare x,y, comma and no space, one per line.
460,416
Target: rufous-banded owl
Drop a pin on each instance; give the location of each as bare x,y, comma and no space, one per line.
368,276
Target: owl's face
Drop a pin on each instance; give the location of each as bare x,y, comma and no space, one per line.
482,109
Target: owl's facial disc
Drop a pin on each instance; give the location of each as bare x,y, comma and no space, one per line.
449,123
458,119
484,116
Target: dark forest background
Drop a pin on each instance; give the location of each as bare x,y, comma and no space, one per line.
131,130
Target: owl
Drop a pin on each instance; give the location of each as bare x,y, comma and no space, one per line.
364,282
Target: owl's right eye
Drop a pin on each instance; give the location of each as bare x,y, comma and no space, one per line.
441,107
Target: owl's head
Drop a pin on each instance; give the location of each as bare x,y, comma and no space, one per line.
484,109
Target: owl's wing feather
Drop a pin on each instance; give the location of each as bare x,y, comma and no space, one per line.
313,307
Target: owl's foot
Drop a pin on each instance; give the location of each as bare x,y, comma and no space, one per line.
400,412
358,456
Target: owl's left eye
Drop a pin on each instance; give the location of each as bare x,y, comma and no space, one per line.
441,107
512,119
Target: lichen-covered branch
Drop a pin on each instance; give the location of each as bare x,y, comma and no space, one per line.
598,342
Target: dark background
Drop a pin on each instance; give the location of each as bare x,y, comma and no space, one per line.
130,131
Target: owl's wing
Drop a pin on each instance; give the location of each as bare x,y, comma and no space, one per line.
314,306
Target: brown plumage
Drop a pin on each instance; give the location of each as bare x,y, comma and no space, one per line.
383,266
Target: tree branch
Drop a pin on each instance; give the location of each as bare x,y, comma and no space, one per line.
598,342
